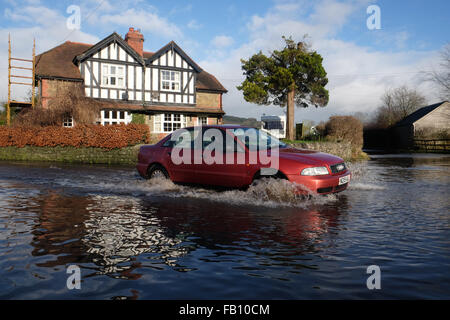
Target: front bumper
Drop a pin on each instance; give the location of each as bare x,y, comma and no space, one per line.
320,184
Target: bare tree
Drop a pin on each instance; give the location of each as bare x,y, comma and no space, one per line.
364,117
441,77
397,104
69,101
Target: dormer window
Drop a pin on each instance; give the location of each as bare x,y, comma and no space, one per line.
113,76
170,80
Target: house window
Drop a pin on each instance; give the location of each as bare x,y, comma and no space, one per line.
68,121
202,121
168,122
172,122
170,80
113,76
109,117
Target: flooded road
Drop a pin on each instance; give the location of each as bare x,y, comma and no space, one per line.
140,240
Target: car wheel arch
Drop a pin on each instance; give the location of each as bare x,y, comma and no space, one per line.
278,175
157,164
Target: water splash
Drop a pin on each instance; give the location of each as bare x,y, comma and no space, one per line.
263,192
358,170
365,186
363,179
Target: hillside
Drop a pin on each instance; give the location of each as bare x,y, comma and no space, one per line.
250,122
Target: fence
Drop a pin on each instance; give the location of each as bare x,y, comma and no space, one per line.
432,145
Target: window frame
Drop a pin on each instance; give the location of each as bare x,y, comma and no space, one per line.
68,121
170,81
159,121
200,123
172,121
110,75
106,117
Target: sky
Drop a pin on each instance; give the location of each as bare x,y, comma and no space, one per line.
361,63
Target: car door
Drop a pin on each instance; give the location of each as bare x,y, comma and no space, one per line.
220,165
179,155
236,163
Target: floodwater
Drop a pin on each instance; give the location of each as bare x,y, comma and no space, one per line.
140,240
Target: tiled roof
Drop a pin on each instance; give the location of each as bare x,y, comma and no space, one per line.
57,62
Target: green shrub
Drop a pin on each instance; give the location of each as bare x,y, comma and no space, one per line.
138,118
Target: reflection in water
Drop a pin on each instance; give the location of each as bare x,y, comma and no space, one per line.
412,168
115,233
183,242
58,228
112,232
107,231
213,226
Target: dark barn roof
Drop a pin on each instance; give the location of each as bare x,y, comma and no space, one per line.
416,115
57,63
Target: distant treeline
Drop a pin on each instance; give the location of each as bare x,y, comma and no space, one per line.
250,122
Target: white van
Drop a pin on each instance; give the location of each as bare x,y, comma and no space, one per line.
274,125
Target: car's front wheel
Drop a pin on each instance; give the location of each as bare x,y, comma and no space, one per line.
156,171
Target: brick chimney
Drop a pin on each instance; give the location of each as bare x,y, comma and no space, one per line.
135,39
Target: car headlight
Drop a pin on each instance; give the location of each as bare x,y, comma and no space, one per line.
316,171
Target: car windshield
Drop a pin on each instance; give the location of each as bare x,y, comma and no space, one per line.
255,139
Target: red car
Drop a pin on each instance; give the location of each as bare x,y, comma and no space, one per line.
186,156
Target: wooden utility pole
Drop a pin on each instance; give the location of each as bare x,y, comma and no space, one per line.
10,82
34,69
8,112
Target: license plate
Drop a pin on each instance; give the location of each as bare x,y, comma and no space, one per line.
344,180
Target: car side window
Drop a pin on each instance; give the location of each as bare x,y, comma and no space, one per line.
234,147
227,147
206,141
184,141
168,143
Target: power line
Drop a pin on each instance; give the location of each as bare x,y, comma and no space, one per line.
84,20
355,75
377,74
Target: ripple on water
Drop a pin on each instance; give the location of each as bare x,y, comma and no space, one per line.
154,239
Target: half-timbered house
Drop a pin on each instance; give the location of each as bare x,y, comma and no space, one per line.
165,86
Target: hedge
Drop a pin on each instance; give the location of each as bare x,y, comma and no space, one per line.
138,118
346,128
108,137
